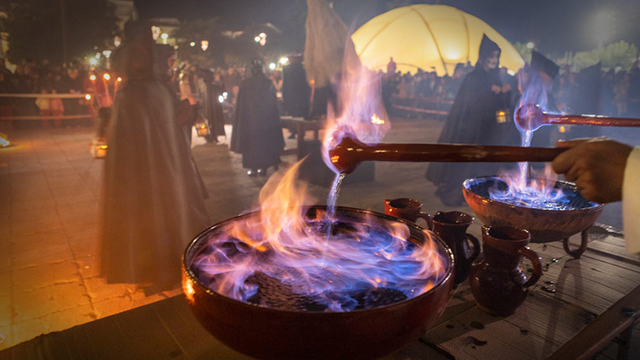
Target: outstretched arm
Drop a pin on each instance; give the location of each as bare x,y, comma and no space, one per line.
596,166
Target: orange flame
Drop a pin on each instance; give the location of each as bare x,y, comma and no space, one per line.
320,254
284,242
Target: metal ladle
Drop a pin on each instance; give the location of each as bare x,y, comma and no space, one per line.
531,117
349,152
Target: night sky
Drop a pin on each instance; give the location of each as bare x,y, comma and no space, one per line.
553,25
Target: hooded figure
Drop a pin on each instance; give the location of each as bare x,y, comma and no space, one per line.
588,91
211,107
537,88
543,65
152,202
257,132
479,116
296,92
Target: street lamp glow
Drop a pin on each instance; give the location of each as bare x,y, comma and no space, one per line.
272,66
530,45
204,44
107,53
261,38
164,36
284,60
92,77
106,76
192,44
93,61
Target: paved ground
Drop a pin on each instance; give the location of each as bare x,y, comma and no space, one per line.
49,191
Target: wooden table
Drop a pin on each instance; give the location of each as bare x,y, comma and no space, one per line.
300,126
575,309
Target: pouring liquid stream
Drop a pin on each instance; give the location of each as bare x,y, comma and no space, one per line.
524,166
332,199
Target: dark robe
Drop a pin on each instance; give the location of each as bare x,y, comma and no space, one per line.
587,102
546,136
257,132
296,92
212,111
152,204
472,120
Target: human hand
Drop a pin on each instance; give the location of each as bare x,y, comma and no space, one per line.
496,89
506,88
596,166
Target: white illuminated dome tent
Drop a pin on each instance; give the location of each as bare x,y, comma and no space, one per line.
429,37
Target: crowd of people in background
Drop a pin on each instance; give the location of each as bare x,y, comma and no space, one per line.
253,101
618,91
44,78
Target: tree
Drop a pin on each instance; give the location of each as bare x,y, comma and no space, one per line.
35,29
613,55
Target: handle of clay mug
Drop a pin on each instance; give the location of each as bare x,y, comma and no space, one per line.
476,247
537,265
426,217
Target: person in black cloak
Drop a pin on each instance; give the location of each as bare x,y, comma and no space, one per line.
296,92
257,132
211,107
537,88
474,118
587,102
151,202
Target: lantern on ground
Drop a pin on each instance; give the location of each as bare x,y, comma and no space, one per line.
99,148
202,127
501,116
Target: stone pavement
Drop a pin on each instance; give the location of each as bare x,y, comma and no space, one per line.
49,194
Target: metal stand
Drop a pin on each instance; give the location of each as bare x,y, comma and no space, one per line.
583,245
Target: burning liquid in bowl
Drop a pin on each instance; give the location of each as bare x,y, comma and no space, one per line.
361,265
542,193
570,215
536,195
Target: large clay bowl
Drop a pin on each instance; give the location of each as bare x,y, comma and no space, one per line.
267,333
544,225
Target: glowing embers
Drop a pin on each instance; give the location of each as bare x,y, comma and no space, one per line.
366,262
